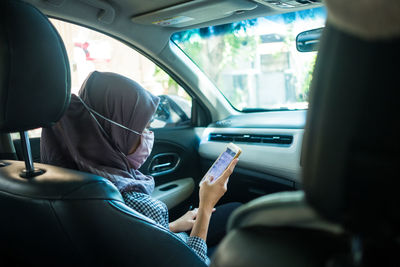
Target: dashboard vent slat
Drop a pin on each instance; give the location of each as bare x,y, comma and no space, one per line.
252,138
220,137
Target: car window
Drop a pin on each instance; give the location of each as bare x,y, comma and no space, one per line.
89,50
255,63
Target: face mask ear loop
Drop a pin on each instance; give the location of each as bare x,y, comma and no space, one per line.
91,111
104,118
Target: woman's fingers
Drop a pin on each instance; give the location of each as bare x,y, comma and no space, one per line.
226,182
194,213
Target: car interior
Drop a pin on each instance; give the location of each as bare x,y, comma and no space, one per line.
306,88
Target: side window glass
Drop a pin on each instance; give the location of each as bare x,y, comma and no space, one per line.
172,111
89,50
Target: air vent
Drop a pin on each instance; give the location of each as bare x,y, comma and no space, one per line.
252,138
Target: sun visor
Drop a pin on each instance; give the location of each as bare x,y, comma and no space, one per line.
368,19
193,12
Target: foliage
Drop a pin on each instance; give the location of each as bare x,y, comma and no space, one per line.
169,84
235,50
207,32
303,96
219,48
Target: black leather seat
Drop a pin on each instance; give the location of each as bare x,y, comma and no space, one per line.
348,214
50,215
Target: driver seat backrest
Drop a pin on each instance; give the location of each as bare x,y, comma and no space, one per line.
348,213
51,215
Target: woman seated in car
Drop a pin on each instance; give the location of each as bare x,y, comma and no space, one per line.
105,132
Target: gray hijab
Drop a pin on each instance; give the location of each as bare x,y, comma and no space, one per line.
84,141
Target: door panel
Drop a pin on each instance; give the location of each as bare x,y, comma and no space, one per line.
175,151
175,192
179,143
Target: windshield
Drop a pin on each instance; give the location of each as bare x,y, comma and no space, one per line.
254,63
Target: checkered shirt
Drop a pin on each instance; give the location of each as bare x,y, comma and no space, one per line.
158,211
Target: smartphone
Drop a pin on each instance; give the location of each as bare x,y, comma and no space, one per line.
231,152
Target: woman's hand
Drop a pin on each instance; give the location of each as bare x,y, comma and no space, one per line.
210,193
184,223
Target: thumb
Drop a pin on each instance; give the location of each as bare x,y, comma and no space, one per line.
205,179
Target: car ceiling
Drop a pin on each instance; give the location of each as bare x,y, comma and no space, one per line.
150,38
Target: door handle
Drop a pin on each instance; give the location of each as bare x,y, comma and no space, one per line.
163,163
160,166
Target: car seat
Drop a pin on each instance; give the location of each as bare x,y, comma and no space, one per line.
348,213
51,215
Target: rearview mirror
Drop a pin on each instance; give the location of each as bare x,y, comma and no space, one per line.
308,41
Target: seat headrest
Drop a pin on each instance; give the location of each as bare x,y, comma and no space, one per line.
34,69
351,148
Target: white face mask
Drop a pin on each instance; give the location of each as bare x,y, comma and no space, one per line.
142,152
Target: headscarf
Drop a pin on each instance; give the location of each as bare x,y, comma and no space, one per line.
84,141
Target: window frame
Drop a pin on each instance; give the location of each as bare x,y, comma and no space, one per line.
200,115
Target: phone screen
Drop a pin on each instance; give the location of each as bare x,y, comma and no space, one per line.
221,164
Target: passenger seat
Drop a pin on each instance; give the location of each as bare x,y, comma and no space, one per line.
52,216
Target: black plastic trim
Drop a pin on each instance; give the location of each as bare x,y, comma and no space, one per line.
277,139
264,176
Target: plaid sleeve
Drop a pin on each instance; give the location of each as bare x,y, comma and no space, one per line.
200,247
149,207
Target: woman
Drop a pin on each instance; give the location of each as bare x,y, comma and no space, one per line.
105,132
